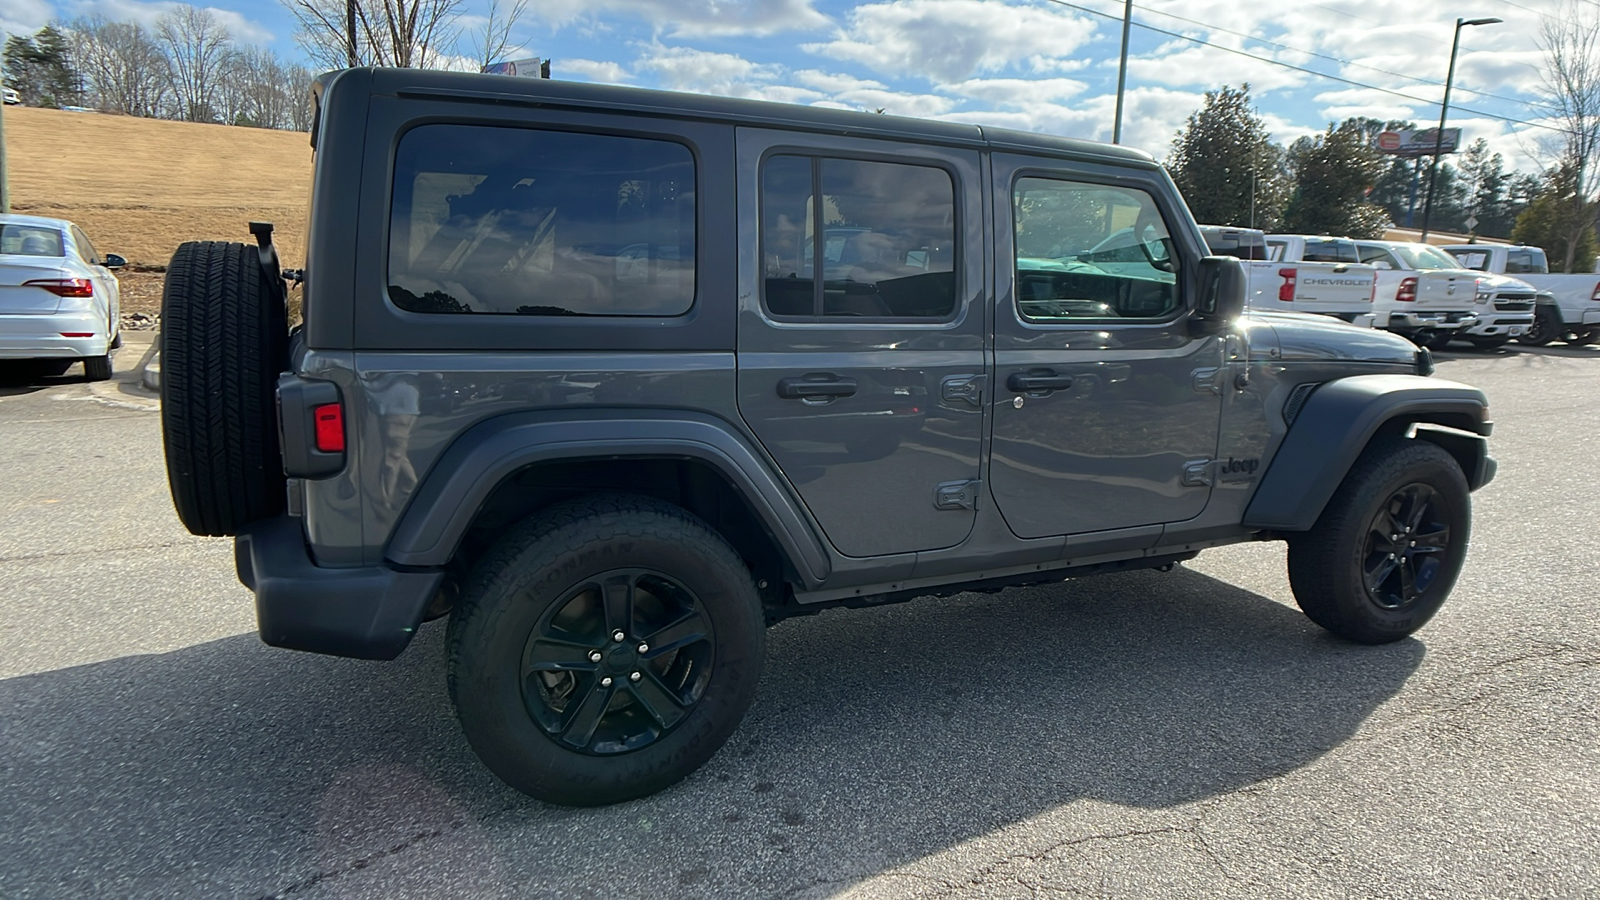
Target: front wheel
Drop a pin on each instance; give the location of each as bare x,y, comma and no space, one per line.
1546,327
1386,551
604,649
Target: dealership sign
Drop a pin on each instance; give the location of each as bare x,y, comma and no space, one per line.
1417,143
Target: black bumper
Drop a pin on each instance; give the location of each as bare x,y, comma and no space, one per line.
365,613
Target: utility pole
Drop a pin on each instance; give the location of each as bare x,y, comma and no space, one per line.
1444,109
350,32
5,185
1122,71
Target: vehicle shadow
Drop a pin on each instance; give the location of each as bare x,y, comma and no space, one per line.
20,376
878,737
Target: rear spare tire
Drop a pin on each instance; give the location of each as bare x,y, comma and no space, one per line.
224,341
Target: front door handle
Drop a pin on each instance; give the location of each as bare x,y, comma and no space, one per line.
816,386
1038,380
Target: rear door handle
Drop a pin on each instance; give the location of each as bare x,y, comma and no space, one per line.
1031,382
816,385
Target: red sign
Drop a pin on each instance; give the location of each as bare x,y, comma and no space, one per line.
1389,141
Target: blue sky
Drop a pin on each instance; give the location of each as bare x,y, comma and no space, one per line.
1029,64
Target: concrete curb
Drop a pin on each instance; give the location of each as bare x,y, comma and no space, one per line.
150,365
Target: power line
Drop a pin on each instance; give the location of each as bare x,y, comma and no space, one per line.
1325,56
1274,62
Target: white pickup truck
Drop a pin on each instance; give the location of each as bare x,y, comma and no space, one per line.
1424,294
1296,273
1569,304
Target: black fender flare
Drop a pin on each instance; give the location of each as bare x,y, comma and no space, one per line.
1338,421
456,486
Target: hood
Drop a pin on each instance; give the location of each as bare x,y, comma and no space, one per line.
1302,336
1504,283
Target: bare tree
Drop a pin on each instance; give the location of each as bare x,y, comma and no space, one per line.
297,80
124,68
1570,97
413,34
197,48
493,41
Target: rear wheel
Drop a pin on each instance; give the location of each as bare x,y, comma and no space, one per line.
604,649
97,368
1438,340
224,341
1385,553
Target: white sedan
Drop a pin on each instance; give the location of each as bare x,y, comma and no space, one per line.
58,297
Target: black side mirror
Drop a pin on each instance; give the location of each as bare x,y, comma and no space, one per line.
1223,288
113,261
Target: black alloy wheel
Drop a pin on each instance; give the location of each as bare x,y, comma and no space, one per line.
1546,327
618,662
1406,546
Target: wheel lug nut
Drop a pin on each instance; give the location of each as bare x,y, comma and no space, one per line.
594,656
644,648
635,676
618,636
606,681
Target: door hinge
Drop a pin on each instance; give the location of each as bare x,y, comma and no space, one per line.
1197,473
965,388
957,494
1208,380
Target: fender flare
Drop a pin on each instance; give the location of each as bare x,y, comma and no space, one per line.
457,485
1334,427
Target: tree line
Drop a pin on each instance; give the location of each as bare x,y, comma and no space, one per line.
186,67
1338,183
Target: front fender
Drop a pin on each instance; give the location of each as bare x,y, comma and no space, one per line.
1334,426
448,499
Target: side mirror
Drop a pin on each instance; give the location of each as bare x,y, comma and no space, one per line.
1223,288
113,261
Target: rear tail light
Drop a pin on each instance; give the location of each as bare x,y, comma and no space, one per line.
1407,292
64,287
1596,295
1286,290
329,419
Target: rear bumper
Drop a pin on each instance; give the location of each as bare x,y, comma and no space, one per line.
40,336
370,612
1591,317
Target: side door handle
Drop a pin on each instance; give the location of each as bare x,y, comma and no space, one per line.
816,386
1037,380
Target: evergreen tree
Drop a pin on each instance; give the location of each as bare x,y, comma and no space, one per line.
1226,165
40,69
1334,172
1486,183
1547,223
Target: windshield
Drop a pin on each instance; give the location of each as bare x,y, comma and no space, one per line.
1421,256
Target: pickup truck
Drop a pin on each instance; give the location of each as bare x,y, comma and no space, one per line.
1425,295
1569,304
1325,276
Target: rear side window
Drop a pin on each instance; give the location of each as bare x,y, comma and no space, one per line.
521,221
1522,262
1229,242
31,240
1090,251
887,248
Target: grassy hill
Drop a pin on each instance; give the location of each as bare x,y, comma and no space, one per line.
140,187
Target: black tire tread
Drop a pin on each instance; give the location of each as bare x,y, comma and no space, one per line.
97,368
1317,557
224,337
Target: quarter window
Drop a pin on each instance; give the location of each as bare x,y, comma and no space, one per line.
887,248
545,223
1090,251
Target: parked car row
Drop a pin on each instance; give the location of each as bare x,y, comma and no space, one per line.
58,297
1431,295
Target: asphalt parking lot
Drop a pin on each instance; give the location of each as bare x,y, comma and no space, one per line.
1173,735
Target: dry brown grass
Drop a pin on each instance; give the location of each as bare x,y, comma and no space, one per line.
141,187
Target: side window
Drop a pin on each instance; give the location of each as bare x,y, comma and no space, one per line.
490,219
85,248
1090,251
1371,254
887,248
1275,250
1520,262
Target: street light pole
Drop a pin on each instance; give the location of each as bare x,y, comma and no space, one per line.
1122,72
1444,109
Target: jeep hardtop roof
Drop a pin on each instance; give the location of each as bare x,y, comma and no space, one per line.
536,92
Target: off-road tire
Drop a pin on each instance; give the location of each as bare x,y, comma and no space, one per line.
97,368
1326,564
224,342
1546,327
529,576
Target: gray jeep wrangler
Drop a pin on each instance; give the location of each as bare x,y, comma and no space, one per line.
615,379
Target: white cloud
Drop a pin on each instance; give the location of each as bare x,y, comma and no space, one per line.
591,70
24,17
1013,92
947,41
695,18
